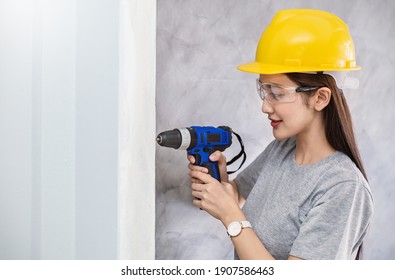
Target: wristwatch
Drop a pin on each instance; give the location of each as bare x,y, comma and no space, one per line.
235,228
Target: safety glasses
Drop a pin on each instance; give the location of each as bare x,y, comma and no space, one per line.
278,94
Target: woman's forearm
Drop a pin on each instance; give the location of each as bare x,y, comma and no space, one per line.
247,244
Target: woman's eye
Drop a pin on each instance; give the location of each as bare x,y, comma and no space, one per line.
277,96
277,92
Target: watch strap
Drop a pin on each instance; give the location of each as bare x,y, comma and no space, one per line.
245,224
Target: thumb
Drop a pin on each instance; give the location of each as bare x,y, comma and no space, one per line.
221,159
218,156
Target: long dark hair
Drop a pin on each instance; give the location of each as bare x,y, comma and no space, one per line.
337,119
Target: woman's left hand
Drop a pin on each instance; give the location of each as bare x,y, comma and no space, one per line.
218,199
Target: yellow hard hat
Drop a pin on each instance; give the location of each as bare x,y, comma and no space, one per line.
303,40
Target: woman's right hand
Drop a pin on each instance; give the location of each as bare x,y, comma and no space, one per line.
221,159
216,156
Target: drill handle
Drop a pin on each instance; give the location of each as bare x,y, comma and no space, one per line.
202,159
213,169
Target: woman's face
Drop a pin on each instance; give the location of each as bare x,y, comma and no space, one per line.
288,118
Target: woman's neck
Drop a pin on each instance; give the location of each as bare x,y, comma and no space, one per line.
312,146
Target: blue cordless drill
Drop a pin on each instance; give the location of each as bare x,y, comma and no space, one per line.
200,142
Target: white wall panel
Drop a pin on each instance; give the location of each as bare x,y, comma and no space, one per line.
137,130
76,109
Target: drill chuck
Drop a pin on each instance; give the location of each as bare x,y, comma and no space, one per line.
179,138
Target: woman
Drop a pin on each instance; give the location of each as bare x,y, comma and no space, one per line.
306,196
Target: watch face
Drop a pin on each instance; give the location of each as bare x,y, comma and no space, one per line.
234,229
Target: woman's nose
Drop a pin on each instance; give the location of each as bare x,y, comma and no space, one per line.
266,107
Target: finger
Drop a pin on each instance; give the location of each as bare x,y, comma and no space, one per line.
197,203
221,160
197,168
191,159
218,156
197,195
196,181
205,178
215,156
198,187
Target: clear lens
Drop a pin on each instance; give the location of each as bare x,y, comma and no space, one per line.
274,93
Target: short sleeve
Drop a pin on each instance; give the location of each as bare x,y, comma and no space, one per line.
246,180
334,228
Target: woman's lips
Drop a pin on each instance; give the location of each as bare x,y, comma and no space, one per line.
275,123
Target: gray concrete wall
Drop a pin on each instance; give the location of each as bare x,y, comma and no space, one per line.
199,45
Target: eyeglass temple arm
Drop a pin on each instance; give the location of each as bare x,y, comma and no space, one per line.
305,89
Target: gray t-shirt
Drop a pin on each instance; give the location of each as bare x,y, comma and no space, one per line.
318,211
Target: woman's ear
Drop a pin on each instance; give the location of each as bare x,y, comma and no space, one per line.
322,98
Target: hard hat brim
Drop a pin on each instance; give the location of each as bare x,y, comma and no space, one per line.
261,68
